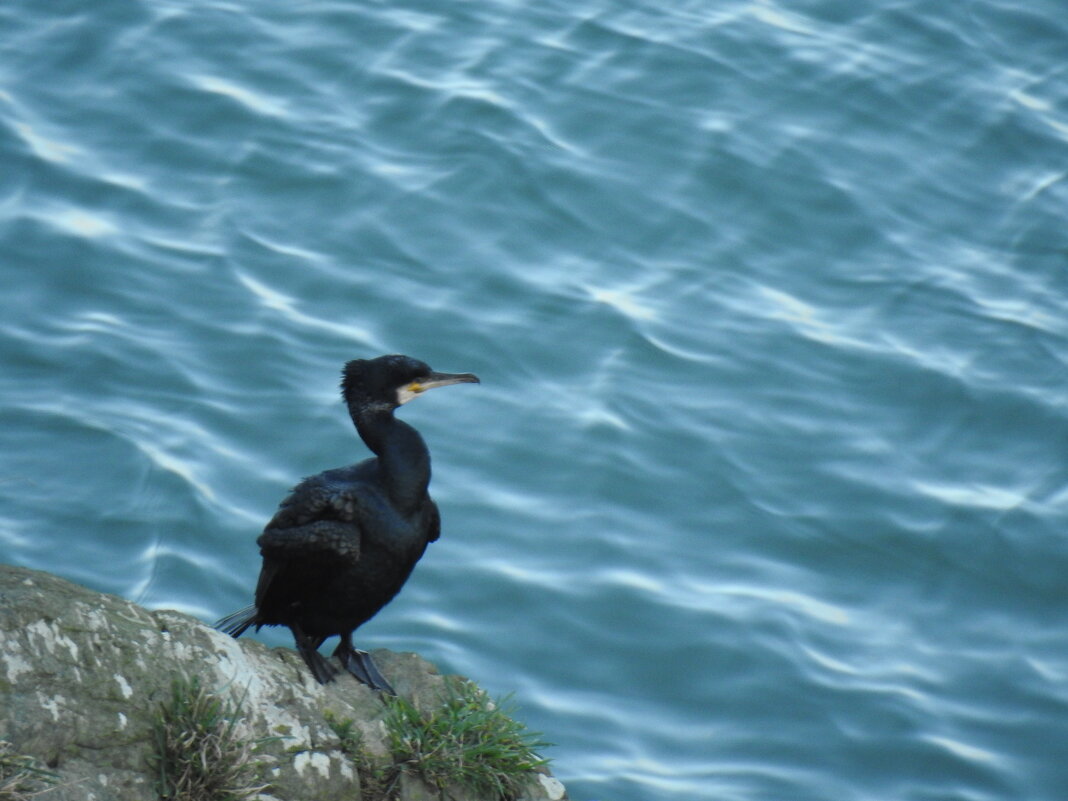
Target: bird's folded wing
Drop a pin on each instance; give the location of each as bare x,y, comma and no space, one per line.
320,547
311,501
321,539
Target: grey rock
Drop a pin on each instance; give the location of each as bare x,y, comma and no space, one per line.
82,675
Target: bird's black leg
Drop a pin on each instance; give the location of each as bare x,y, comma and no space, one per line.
360,665
308,647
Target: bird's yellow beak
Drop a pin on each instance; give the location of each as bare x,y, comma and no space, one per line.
421,385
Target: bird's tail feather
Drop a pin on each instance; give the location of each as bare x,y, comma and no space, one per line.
235,623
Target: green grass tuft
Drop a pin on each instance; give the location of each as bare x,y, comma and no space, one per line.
199,755
378,777
469,741
20,778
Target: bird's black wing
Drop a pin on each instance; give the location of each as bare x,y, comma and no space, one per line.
317,498
328,539
315,549
315,532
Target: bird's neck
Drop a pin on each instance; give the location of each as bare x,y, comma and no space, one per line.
403,458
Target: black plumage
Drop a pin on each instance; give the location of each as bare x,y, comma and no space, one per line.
343,542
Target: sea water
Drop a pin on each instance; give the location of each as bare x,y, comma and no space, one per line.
763,495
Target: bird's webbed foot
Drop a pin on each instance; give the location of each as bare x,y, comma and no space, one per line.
308,647
360,665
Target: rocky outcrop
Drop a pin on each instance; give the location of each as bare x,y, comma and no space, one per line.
82,677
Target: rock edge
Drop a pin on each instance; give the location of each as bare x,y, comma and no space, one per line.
82,674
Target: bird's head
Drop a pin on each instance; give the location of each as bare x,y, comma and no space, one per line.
390,381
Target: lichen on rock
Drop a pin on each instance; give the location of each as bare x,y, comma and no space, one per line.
83,674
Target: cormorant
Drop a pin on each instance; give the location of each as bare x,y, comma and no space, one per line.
343,542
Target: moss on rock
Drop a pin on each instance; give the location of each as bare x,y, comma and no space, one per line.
83,675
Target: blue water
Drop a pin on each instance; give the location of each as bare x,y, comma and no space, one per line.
763,495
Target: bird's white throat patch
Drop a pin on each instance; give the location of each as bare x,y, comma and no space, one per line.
409,391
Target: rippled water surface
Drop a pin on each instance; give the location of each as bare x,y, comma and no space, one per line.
763,495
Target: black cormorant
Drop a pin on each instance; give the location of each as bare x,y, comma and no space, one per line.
344,542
